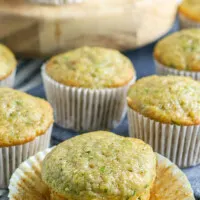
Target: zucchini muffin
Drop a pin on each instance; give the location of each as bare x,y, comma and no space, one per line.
25,128
100,165
26,182
87,87
8,65
189,14
179,54
164,111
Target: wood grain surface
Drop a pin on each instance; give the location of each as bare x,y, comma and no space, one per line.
43,30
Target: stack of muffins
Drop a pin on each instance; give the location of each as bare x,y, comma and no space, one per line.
90,88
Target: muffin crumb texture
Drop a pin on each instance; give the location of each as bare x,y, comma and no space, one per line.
8,62
22,117
100,165
167,99
190,9
91,67
180,50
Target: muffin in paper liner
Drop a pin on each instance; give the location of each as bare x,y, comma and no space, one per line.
180,144
86,109
185,22
171,183
55,2
165,70
9,80
26,182
11,157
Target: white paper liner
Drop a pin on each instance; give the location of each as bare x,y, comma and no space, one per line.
164,70
171,183
26,182
187,23
180,144
55,2
12,157
8,81
86,109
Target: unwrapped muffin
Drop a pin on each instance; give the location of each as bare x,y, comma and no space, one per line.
100,165
25,128
164,111
189,14
87,87
178,54
8,66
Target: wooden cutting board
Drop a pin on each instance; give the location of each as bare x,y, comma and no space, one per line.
43,30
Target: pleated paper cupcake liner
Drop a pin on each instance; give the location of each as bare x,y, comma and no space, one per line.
12,157
9,81
180,144
55,2
187,23
26,182
164,70
171,183
86,109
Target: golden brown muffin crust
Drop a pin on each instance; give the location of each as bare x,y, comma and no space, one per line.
171,183
22,117
180,50
91,67
167,99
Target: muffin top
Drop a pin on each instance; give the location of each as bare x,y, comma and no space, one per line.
100,165
91,67
180,50
191,9
167,99
7,62
22,117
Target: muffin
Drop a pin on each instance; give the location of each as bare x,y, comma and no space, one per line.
100,165
8,65
55,2
87,87
164,111
25,128
189,14
26,183
178,54
171,183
